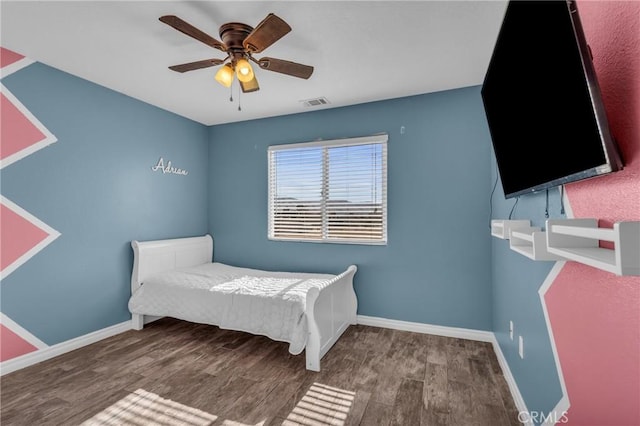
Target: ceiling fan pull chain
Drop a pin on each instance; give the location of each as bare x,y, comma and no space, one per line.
231,93
239,92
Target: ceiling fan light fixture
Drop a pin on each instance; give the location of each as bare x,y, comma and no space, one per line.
244,71
224,75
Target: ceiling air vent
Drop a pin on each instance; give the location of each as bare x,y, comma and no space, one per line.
315,102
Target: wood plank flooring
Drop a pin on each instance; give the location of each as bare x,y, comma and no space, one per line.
372,376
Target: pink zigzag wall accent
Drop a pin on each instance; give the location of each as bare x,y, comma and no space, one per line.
18,236
8,57
20,134
22,235
16,341
594,316
12,345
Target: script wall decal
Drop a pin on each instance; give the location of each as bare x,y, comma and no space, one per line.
168,168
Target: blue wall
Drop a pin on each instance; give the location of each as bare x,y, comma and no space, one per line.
516,281
95,186
436,268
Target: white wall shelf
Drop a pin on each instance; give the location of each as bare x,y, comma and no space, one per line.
502,228
579,240
532,243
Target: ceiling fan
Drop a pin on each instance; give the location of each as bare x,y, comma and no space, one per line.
240,42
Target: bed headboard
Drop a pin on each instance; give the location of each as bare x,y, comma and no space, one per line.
152,257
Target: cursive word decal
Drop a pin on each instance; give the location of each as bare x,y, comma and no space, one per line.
168,168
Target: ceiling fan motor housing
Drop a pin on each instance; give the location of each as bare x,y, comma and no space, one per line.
232,35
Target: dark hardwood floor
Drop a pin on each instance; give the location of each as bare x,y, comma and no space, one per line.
372,376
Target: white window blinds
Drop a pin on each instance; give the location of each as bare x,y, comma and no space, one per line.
329,191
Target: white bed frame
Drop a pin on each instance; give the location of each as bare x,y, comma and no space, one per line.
329,310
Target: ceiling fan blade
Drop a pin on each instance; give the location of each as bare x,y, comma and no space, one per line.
191,31
271,29
196,65
250,86
286,67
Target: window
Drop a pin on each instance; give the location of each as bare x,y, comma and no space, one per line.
329,191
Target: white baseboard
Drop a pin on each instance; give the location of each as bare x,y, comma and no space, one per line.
49,352
511,381
460,333
438,330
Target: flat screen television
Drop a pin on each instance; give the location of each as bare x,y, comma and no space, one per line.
543,103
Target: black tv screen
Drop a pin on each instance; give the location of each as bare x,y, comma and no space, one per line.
542,101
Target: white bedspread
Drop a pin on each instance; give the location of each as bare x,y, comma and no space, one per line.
251,300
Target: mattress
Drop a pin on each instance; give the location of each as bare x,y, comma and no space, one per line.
251,300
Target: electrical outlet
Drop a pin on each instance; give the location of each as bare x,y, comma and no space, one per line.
521,347
511,330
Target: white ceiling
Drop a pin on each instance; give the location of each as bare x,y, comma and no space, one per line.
361,51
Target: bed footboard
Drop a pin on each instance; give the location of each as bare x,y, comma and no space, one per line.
330,310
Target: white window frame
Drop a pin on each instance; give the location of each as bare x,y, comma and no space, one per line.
381,139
